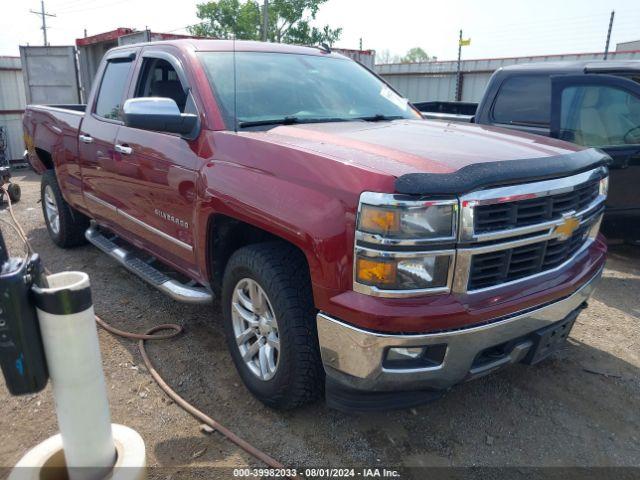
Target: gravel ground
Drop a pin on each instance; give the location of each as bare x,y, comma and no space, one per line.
580,408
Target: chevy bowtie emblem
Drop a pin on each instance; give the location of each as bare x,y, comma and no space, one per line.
569,225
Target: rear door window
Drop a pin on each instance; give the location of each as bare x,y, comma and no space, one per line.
114,82
524,100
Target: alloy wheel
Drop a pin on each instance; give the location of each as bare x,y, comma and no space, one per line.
255,328
51,209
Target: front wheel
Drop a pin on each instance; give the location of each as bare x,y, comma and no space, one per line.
269,323
66,225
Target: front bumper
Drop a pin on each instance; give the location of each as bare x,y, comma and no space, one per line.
354,358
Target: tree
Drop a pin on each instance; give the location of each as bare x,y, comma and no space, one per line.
289,21
385,56
225,17
416,54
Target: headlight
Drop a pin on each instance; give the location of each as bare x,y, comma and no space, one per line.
395,219
391,229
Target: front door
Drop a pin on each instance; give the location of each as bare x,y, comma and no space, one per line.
158,171
603,111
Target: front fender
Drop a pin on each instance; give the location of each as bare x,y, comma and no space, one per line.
305,199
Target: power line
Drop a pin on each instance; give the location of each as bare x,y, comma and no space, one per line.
44,16
94,7
555,21
81,5
187,27
65,5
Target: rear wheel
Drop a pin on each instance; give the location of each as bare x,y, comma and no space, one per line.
269,322
66,225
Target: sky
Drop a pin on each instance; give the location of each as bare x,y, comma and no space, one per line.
497,28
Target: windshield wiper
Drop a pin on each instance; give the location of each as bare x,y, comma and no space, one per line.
378,117
288,121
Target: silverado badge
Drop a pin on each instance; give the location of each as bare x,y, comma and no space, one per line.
171,218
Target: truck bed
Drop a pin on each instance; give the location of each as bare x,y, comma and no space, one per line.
46,126
76,107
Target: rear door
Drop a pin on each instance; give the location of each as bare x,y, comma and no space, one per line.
97,136
156,176
603,111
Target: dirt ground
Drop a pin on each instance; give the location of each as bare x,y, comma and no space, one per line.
580,408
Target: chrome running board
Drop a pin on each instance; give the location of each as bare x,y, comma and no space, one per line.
174,289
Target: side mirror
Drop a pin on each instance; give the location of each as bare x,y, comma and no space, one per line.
158,114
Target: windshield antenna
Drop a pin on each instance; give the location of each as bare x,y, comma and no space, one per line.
235,86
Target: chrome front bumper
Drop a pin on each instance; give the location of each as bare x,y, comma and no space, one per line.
354,357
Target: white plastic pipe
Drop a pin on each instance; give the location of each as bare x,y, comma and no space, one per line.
70,338
131,463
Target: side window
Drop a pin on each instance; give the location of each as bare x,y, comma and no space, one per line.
599,115
524,100
159,79
114,82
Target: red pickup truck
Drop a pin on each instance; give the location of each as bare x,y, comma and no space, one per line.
358,251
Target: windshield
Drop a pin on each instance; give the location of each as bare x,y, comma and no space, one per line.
292,88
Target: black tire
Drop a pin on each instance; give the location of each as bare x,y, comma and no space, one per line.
282,272
14,192
72,223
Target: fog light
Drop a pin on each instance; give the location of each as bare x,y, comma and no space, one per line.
403,353
414,357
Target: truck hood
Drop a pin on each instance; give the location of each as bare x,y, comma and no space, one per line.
402,147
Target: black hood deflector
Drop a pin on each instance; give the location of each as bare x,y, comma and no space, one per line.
504,172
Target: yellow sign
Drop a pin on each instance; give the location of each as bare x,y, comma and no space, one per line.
566,229
465,42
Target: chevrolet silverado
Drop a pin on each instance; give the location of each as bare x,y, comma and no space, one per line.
357,250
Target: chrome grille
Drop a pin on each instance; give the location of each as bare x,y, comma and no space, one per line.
512,233
501,216
495,268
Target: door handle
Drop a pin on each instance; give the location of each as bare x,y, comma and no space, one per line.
124,150
85,138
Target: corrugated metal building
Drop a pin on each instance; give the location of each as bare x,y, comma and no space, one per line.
50,75
92,49
626,46
365,57
432,81
12,104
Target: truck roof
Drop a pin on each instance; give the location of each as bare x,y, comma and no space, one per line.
576,66
209,45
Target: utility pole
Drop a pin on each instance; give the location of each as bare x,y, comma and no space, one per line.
458,73
265,21
44,16
606,48
360,43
